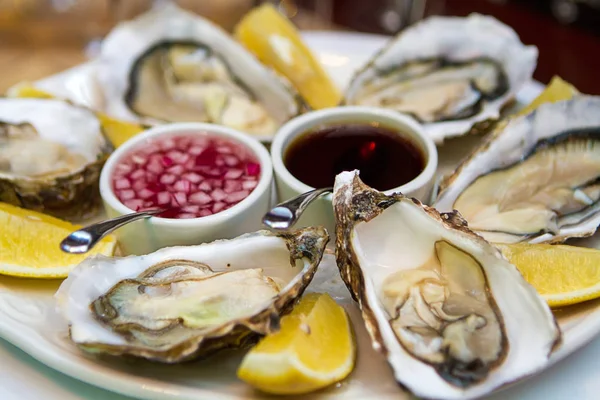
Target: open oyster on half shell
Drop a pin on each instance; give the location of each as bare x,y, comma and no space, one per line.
170,65
452,74
536,179
180,303
51,154
452,316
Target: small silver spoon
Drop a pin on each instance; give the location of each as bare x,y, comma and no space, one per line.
286,214
83,240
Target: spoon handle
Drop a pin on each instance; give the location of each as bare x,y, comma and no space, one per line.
84,239
286,214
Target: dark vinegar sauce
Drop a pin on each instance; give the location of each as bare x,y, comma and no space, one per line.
385,159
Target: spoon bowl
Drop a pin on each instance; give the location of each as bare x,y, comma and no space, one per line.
286,214
84,239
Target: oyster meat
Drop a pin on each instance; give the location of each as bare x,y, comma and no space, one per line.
452,316
180,303
169,65
537,179
449,73
436,90
51,154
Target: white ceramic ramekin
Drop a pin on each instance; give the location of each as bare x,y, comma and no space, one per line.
320,212
145,236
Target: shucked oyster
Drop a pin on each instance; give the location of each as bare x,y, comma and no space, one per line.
51,153
179,303
537,179
436,90
453,317
173,66
449,73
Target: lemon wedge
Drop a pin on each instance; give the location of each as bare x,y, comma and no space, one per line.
117,132
562,274
314,348
25,89
29,244
276,42
557,90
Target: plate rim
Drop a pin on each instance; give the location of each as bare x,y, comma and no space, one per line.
120,382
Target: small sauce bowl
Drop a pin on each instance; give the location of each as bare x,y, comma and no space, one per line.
320,212
146,236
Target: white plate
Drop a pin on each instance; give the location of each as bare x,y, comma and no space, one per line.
28,322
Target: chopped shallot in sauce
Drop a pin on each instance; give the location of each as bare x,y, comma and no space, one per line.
190,175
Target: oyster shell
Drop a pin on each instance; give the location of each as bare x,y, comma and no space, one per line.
452,316
169,65
452,74
180,303
536,179
51,154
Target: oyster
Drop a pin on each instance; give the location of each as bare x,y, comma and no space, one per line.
536,179
180,303
452,74
51,154
453,317
173,66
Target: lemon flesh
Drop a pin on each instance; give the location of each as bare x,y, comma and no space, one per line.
276,43
557,90
314,348
29,244
562,274
116,131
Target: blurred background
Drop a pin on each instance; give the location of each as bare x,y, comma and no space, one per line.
42,37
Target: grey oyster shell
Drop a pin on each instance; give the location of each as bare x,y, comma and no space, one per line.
51,154
289,261
535,179
455,74
454,326
196,72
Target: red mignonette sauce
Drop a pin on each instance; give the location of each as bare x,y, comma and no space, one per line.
193,175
